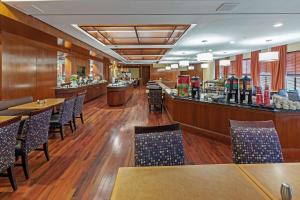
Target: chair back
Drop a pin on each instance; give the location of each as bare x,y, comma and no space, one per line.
37,129
161,148
255,142
66,113
156,129
8,135
78,106
155,96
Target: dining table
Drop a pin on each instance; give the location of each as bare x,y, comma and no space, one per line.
6,118
36,105
209,182
269,177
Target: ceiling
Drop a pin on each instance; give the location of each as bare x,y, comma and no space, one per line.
238,28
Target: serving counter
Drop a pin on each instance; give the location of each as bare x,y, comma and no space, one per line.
92,91
119,95
212,119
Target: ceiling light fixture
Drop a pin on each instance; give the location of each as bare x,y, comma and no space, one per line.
205,57
161,69
174,66
232,42
168,68
277,25
184,63
224,63
192,67
204,65
268,56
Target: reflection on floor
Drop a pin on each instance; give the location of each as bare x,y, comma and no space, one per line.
84,165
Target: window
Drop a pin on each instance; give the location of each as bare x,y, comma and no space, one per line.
247,67
221,72
232,69
293,71
265,75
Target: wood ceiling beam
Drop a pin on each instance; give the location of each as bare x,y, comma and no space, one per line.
137,35
105,38
175,27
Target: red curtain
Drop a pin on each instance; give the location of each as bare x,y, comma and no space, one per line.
225,72
217,69
255,67
239,65
278,69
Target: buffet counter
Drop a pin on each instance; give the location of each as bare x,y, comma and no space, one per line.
92,91
119,95
211,119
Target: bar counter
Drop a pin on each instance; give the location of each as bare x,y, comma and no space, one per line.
92,91
119,95
211,119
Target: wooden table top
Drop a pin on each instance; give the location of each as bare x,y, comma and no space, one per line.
209,182
36,106
6,118
270,176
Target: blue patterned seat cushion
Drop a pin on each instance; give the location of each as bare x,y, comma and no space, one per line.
256,145
159,149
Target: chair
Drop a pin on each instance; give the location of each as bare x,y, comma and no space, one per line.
255,142
78,107
159,146
64,117
8,134
35,135
155,99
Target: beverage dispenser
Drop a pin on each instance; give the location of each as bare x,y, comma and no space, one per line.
246,90
195,82
183,83
232,89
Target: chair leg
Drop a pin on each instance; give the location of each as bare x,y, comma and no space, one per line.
46,151
61,130
74,122
11,176
25,165
81,117
71,126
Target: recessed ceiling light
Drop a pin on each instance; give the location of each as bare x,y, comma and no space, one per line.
210,50
269,40
232,42
277,25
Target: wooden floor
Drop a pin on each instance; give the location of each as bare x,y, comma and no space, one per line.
84,165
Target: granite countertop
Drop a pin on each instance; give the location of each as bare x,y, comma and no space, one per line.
80,86
254,107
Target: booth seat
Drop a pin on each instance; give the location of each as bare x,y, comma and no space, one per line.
5,104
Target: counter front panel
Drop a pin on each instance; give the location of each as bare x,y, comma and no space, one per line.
212,119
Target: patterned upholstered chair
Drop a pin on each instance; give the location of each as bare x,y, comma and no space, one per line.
155,99
64,117
78,108
255,142
34,136
159,146
8,135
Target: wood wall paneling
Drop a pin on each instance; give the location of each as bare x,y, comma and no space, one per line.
46,74
26,69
